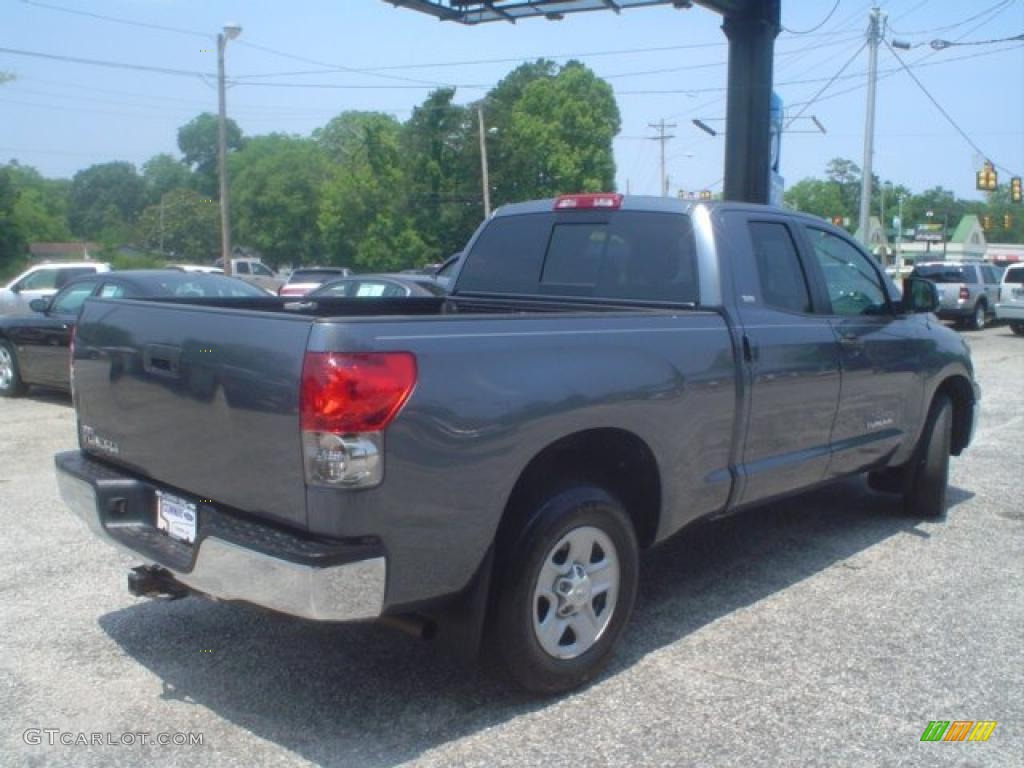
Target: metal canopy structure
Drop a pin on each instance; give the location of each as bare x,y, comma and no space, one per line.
751,27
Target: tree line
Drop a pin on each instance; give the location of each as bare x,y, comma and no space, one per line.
838,195
365,190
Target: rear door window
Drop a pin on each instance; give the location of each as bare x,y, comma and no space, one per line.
990,276
780,274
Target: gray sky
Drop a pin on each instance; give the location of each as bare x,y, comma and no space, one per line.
61,117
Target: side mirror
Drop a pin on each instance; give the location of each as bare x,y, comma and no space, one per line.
920,295
39,305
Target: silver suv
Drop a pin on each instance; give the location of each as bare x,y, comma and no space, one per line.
1011,299
968,292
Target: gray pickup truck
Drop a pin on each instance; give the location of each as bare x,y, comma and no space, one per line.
487,466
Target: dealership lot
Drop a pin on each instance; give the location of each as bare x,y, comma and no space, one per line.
827,630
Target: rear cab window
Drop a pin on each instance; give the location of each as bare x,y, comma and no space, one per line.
636,255
1014,275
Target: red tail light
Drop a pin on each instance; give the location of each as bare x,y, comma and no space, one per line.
606,200
361,392
964,293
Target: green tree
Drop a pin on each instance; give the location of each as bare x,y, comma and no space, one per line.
188,228
363,217
105,200
276,183
442,178
817,196
12,239
197,141
163,174
554,131
41,208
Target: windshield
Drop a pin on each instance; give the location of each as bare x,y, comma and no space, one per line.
313,275
1014,275
198,284
942,274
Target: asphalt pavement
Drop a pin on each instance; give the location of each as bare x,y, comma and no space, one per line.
826,630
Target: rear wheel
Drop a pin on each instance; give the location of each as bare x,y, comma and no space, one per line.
979,317
1017,328
927,473
566,590
11,384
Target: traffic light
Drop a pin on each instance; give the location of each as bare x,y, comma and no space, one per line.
986,222
986,179
1007,221
1015,191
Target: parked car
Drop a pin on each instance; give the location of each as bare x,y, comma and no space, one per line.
1011,298
42,281
34,347
605,371
306,279
968,292
255,272
379,286
197,268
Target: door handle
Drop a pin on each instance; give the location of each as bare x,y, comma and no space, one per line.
851,341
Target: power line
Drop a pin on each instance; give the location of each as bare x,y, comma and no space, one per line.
115,20
343,68
944,113
110,64
939,45
825,87
816,27
946,27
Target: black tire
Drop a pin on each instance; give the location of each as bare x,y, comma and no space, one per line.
978,317
927,473
1017,328
575,511
11,384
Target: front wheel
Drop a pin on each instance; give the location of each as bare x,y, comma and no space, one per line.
928,471
566,590
11,384
1017,328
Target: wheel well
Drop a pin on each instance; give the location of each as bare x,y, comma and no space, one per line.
959,390
617,460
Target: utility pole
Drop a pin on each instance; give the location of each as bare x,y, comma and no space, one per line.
899,235
662,137
483,163
230,32
875,28
162,223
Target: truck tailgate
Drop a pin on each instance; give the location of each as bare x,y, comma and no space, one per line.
202,399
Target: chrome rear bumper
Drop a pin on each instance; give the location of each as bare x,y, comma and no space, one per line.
225,569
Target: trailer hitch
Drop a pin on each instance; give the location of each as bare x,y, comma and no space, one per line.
156,582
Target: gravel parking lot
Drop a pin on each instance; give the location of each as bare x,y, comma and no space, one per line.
827,630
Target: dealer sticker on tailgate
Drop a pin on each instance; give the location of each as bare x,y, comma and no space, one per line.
176,517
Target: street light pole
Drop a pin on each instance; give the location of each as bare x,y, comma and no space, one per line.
485,176
231,31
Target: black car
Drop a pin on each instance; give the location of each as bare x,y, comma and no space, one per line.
34,347
380,286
